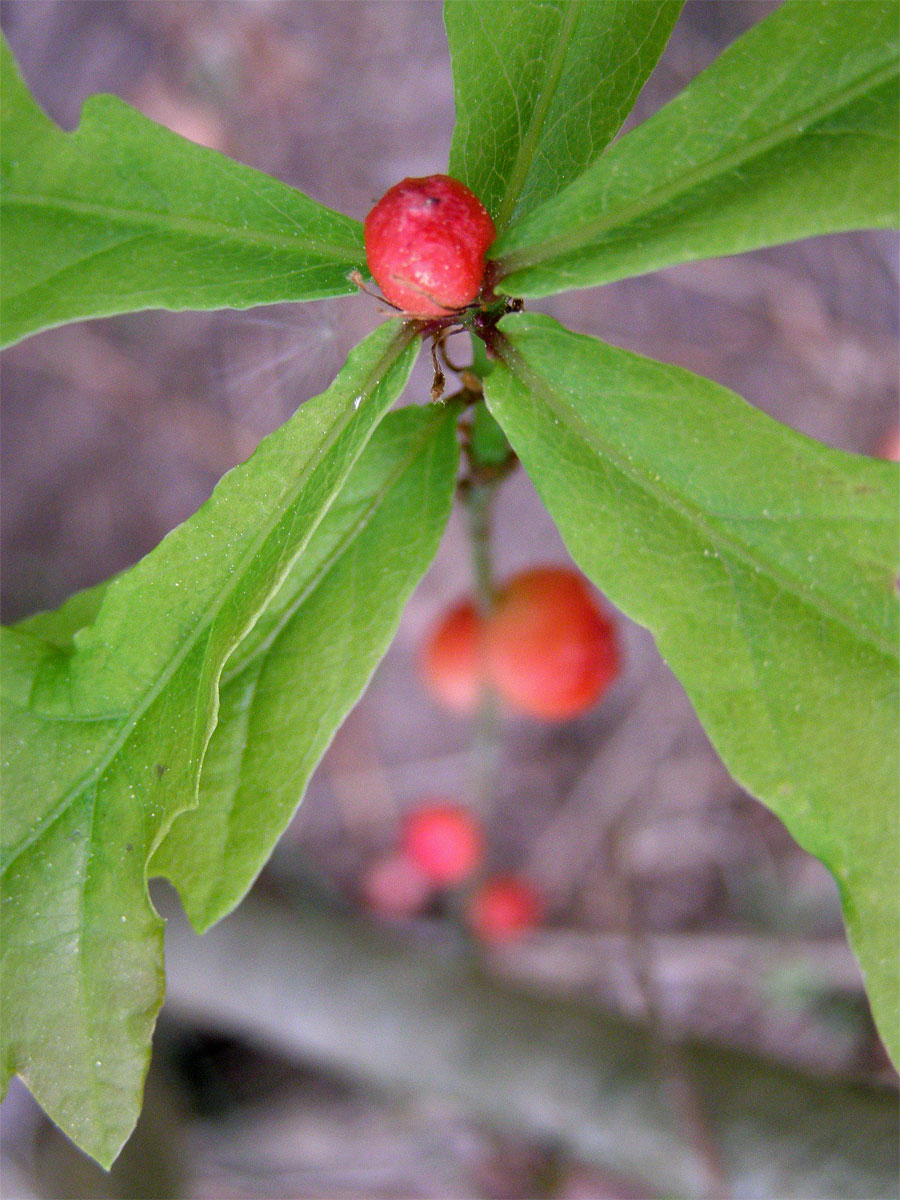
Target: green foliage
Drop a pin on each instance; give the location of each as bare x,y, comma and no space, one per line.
291,681
131,216
169,720
765,565
792,132
542,88
488,443
104,730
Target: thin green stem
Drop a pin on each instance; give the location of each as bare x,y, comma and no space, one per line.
479,508
479,502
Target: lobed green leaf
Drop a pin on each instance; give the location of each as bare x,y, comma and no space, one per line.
104,729
122,215
792,132
542,87
764,563
291,681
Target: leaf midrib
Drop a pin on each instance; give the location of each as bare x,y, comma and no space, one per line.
255,662
518,366
207,616
581,238
151,220
528,145
339,549
88,1033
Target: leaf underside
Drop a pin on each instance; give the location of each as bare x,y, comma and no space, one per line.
291,681
123,214
104,730
764,563
792,132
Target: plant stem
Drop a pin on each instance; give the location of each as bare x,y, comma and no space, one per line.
479,499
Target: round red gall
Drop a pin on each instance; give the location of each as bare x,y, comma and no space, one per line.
451,659
549,651
444,841
502,909
426,241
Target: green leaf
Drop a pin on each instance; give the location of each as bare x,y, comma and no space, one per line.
292,680
123,215
488,443
104,730
541,88
765,565
792,132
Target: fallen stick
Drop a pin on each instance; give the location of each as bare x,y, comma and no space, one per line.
330,988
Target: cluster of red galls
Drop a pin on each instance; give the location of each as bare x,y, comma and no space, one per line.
442,847
547,650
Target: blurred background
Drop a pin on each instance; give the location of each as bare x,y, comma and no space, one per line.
667,891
